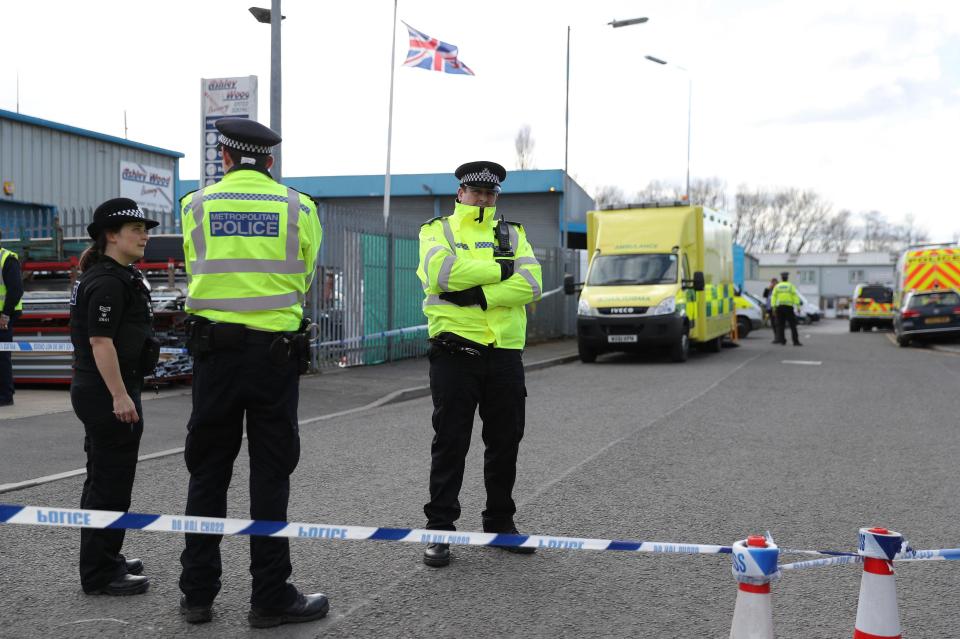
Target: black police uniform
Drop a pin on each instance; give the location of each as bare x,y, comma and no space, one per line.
109,300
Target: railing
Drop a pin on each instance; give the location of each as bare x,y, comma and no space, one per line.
366,284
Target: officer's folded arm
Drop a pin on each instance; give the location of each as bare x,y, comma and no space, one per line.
108,365
446,272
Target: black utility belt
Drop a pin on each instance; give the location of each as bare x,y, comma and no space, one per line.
213,336
210,337
456,344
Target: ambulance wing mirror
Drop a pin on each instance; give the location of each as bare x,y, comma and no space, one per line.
697,283
569,287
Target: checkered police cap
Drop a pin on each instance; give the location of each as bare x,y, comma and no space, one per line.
247,136
481,174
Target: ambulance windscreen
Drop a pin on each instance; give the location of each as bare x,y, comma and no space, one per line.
628,270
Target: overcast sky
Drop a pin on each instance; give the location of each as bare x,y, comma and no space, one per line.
856,99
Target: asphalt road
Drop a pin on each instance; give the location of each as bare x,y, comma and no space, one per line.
709,451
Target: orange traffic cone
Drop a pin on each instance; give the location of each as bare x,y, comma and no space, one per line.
754,565
877,614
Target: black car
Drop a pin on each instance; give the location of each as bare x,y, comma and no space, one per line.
928,314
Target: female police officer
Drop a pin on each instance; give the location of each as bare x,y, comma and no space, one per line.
111,331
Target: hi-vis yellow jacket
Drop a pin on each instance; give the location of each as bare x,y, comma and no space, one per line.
784,294
456,253
250,245
4,254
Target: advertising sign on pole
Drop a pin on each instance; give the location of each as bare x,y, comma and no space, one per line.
148,186
222,98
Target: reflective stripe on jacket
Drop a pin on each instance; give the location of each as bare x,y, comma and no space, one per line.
456,253
250,245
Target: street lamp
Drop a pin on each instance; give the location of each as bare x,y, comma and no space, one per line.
273,17
689,103
566,125
626,23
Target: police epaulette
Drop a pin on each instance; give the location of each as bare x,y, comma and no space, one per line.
433,219
517,224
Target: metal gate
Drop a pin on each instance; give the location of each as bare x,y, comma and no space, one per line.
366,285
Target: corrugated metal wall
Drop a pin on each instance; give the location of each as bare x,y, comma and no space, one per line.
538,212
71,172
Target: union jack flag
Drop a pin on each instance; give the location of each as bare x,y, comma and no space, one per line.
433,55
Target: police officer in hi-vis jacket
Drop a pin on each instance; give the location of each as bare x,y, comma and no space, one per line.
478,274
250,245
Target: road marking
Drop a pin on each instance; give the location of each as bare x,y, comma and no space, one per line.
802,362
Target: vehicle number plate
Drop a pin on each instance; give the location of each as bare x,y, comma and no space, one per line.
937,320
621,339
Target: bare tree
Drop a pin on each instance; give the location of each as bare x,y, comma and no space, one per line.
710,192
524,144
877,233
804,219
748,213
609,196
838,234
910,233
657,191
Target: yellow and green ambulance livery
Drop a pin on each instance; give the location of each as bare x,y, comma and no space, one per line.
659,275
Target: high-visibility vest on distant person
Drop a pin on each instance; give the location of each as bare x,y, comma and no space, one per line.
4,256
250,245
784,294
456,253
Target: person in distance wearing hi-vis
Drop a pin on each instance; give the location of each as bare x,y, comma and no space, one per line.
784,299
250,245
11,307
111,328
478,274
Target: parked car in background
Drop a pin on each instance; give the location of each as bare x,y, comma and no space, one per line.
749,313
872,306
927,315
809,313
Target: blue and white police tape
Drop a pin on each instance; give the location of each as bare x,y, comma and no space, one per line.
938,554
63,347
398,331
79,518
365,338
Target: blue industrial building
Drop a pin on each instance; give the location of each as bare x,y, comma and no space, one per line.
536,199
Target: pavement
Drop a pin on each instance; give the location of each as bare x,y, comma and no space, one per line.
808,443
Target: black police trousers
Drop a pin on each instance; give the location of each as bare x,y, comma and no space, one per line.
111,448
6,363
459,383
786,315
228,384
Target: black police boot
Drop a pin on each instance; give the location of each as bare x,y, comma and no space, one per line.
519,550
134,566
437,555
195,614
305,608
124,585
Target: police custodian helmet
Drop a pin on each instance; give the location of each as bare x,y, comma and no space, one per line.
481,175
114,213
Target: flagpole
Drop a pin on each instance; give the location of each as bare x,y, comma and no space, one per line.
566,150
386,177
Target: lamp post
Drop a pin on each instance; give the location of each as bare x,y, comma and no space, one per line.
566,127
272,16
689,105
